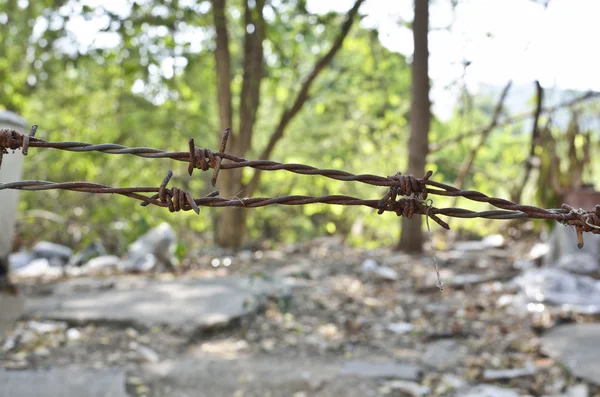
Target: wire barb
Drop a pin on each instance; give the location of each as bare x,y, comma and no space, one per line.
26,138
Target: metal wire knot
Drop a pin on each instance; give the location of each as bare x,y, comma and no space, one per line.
408,186
175,199
204,159
586,221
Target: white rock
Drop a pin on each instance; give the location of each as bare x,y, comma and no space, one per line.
495,374
493,241
486,391
102,263
37,268
413,389
561,288
578,262
400,327
73,334
46,327
539,250
20,259
386,273
145,352
46,249
368,265
450,382
579,390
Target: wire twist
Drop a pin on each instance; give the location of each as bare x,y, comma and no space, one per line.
204,159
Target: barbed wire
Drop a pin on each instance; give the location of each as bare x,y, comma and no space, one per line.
407,194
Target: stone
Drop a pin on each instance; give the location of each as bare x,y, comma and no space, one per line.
495,374
144,352
563,250
48,250
577,346
450,382
63,382
39,267
412,389
492,241
370,266
20,259
558,287
186,305
101,263
444,354
384,369
47,327
578,262
579,390
73,334
95,249
400,327
155,248
254,375
486,391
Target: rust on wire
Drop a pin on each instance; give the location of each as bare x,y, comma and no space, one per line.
175,199
406,196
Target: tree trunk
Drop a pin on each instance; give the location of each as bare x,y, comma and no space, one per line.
231,225
418,145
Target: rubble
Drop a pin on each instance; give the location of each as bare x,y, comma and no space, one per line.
577,346
342,329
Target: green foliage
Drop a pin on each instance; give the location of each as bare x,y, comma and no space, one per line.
148,79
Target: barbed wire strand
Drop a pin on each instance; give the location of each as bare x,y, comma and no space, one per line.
413,190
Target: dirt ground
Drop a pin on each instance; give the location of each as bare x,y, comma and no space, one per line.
338,312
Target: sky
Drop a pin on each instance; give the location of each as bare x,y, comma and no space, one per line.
518,40
504,40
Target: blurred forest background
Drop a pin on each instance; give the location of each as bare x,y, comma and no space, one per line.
296,86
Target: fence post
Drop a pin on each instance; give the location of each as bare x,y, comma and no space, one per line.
11,171
11,302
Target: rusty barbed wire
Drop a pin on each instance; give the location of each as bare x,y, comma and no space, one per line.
414,191
211,200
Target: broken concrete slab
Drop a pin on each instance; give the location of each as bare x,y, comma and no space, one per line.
486,391
63,382
184,305
578,347
11,308
444,354
257,375
386,369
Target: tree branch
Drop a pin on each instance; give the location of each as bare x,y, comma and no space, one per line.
535,141
466,166
302,96
514,119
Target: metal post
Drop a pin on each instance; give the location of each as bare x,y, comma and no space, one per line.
11,171
11,302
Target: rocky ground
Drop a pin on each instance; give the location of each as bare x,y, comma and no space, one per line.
318,319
